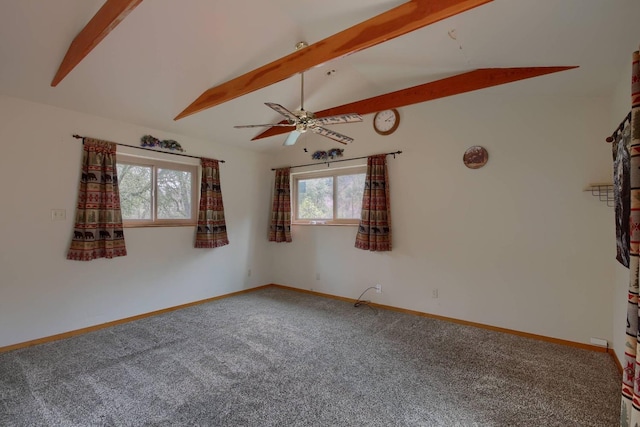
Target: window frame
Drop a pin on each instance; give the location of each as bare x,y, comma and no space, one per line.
333,173
155,164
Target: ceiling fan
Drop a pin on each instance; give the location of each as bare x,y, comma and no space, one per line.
303,120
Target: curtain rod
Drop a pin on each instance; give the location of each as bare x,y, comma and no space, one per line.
328,162
148,149
620,128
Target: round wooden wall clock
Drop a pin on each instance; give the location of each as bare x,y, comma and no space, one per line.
386,122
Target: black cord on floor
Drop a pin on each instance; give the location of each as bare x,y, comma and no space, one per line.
360,301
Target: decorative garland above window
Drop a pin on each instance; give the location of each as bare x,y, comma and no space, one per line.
168,144
324,155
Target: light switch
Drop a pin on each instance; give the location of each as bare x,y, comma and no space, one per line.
58,214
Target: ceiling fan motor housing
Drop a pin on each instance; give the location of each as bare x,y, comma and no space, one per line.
306,120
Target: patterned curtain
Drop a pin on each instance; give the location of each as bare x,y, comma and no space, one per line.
280,228
98,228
374,231
630,412
212,229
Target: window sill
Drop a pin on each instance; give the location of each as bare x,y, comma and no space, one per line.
324,224
129,225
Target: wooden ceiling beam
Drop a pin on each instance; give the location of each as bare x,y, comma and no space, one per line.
103,22
395,22
461,83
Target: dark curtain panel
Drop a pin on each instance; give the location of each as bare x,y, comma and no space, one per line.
374,231
622,193
212,228
280,227
98,229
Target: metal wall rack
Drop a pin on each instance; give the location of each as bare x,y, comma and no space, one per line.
604,193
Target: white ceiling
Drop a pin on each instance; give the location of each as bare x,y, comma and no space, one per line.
167,52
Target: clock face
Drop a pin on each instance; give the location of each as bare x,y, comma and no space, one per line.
386,122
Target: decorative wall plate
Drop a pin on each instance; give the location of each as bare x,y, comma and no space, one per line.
475,157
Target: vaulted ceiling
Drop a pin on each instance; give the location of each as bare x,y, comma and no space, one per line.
164,54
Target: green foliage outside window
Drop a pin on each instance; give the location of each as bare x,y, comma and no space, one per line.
174,194
315,198
134,183
350,189
173,191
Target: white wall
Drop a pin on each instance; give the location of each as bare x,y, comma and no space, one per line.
517,244
42,293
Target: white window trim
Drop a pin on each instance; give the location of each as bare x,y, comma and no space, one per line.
334,172
194,168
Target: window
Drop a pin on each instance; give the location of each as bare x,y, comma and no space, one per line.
328,197
157,192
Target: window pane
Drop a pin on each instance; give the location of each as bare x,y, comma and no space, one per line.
350,188
174,194
315,198
135,191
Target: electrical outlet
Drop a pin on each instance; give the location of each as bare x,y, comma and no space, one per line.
317,276
434,293
249,273
58,214
378,288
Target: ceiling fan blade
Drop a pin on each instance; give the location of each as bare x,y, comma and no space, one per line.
393,23
280,109
292,138
267,125
343,139
340,118
454,85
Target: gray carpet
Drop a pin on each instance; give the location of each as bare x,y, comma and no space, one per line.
281,358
